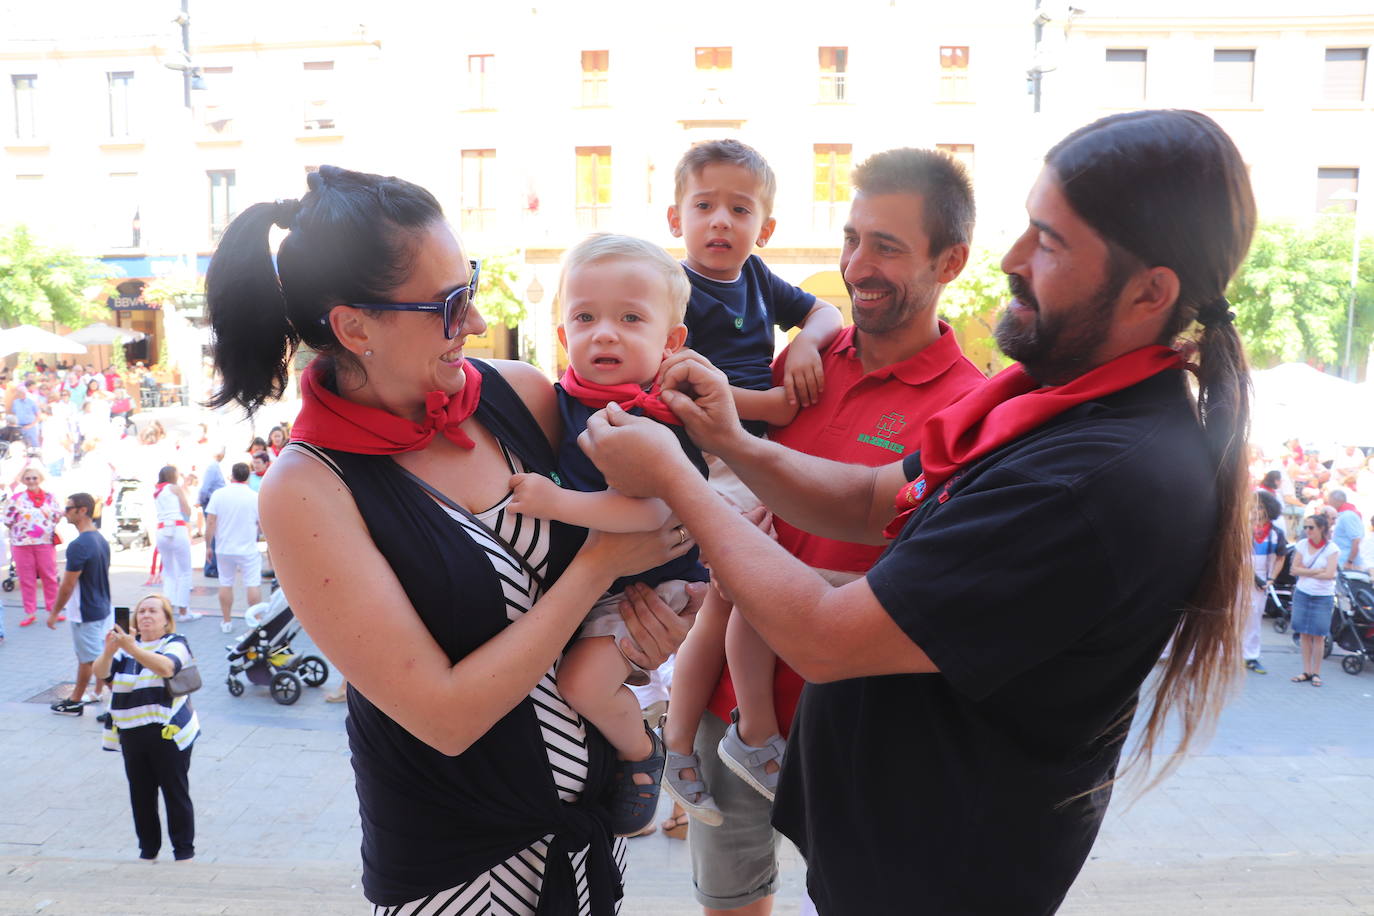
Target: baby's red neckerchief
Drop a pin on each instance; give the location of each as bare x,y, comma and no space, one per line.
627,395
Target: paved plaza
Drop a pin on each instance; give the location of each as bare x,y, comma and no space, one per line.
1274,816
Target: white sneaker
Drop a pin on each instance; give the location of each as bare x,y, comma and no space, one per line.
189,616
226,626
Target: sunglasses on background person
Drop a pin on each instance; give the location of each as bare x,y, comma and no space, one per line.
454,307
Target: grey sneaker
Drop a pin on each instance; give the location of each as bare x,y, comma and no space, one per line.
750,763
691,795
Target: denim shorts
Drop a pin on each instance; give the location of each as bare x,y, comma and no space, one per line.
88,637
1312,613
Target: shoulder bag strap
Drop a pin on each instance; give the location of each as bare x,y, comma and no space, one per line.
444,500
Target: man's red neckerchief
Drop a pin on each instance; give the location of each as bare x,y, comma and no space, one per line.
1006,407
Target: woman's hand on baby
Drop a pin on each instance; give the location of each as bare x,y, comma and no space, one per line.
633,552
653,625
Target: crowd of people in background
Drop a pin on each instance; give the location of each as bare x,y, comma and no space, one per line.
1311,500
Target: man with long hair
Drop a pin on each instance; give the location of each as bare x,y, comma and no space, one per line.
968,700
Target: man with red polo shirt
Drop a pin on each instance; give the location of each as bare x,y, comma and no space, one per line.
906,237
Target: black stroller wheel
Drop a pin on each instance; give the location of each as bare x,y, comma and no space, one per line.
7,585
1352,664
1280,624
1326,647
235,687
286,688
313,670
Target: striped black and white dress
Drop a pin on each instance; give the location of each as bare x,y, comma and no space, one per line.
512,888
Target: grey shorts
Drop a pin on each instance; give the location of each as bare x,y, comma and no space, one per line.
736,863
89,637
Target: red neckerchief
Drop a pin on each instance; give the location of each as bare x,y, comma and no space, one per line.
331,421
1262,532
275,450
1316,545
157,490
628,395
1269,489
1005,408
38,500
1349,507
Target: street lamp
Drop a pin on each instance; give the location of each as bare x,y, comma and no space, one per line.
1353,196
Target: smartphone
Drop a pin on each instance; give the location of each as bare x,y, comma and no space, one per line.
122,618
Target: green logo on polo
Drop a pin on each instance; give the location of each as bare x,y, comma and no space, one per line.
888,425
739,323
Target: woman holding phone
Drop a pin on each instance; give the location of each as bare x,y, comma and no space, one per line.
153,729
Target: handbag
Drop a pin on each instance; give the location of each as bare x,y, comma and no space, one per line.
185,681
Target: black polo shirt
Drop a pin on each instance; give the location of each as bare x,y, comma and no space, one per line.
1044,586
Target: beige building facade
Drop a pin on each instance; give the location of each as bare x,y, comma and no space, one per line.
535,124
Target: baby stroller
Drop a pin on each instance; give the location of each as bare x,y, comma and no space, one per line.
264,653
128,505
11,579
1280,604
1353,630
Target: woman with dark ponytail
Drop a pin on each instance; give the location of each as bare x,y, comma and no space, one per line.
446,613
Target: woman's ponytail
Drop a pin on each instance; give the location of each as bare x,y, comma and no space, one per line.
253,340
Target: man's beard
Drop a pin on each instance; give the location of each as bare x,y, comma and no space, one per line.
1055,349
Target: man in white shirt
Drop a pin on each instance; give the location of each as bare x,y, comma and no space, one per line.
231,520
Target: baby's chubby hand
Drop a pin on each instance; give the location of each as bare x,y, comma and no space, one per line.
533,494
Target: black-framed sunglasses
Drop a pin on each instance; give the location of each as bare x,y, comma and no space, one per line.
454,307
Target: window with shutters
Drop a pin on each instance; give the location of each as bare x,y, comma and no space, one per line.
223,201
1342,184
954,85
1345,74
120,84
593,187
319,95
834,70
596,66
830,197
1124,80
123,223
714,67
1233,75
25,88
478,196
481,74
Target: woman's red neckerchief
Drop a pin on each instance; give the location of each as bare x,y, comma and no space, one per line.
1262,532
334,422
628,395
1316,545
157,490
1005,408
38,499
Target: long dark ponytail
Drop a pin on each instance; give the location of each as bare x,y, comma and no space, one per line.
351,238
1171,189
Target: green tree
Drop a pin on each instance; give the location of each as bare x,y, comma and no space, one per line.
1292,294
498,297
972,302
44,283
